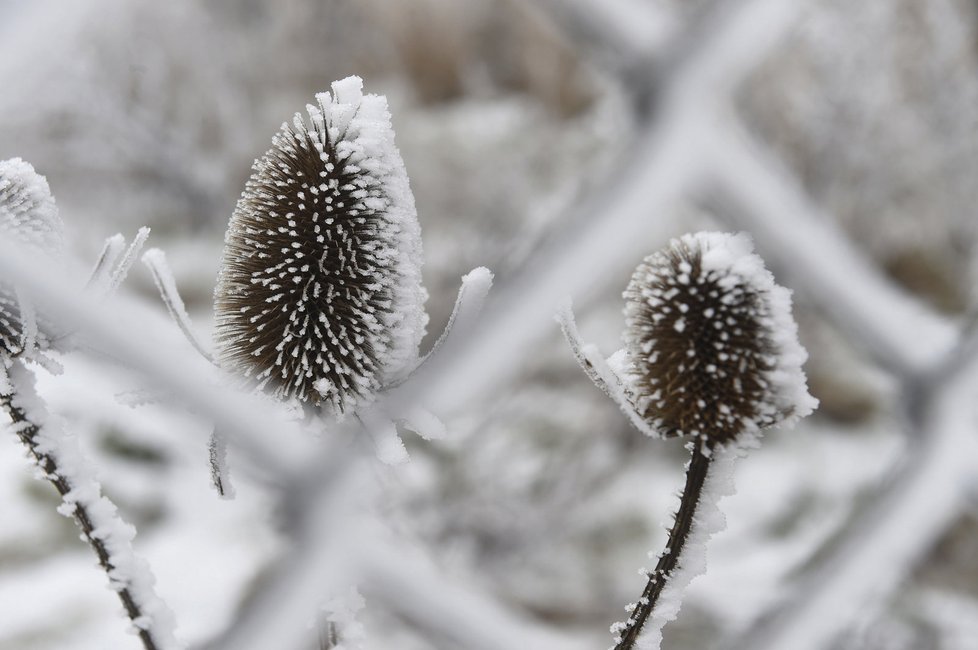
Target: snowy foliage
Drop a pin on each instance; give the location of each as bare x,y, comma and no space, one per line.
712,347
319,297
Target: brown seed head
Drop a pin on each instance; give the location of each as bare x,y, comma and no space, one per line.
711,346
319,296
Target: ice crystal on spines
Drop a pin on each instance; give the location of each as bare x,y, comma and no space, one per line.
319,296
711,345
28,216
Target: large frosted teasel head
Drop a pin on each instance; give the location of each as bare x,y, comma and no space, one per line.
29,217
712,349
319,296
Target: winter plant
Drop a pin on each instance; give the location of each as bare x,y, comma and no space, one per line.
319,300
29,217
319,305
710,355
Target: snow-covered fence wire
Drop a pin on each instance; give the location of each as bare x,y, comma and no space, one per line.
688,144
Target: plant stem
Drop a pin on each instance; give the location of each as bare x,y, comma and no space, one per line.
699,465
28,431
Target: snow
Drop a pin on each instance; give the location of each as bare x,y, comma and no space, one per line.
425,423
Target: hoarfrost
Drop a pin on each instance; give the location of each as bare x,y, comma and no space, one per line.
707,522
321,276
111,537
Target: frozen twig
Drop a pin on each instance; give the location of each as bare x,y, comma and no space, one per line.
708,479
61,463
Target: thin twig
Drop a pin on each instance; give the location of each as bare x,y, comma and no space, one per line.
28,432
696,473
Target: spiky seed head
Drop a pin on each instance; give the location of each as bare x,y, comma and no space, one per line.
712,348
319,297
28,216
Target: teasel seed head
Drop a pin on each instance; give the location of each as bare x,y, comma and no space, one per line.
319,297
29,217
712,348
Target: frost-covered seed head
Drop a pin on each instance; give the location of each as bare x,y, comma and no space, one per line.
712,347
28,216
319,297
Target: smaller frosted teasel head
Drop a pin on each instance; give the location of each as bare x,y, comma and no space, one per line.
28,217
711,346
319,296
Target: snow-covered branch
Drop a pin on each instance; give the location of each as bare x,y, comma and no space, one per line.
61,463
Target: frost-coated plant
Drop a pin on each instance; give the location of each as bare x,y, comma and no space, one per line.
711,354
319,300
319,296
29,216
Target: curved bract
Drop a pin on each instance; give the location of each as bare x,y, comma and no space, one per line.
319,297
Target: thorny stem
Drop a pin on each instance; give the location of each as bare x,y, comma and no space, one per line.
696,473
27,432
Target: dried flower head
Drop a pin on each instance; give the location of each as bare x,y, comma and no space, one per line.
319,297
28,216
711,346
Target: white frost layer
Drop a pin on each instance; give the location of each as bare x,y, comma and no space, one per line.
728,259
606,375
707,521
129,571
361,127
733,254
155,261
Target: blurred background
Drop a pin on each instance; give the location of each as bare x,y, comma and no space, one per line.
510,115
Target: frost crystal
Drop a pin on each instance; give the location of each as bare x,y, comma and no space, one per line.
712,348
319,297
28,216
